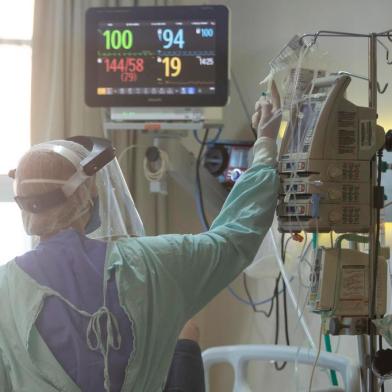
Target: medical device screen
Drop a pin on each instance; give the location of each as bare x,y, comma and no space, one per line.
304,125
157,56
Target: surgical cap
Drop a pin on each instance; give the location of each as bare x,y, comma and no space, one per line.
43,170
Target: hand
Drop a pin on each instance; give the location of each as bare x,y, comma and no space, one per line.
267,117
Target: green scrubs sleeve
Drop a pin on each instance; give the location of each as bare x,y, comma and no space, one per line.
4,379
197,267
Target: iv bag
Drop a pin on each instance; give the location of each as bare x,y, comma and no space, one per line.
293,70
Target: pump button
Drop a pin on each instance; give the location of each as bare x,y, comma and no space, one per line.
334,171
335,194
334,216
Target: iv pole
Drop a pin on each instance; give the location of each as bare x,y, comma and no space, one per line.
373,242
369,381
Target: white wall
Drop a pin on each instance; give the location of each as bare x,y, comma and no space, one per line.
260,28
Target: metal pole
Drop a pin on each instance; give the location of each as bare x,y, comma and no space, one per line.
373,71
363,350
373,383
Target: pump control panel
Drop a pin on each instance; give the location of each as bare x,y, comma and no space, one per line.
325,161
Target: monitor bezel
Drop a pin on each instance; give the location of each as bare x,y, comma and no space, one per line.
220,13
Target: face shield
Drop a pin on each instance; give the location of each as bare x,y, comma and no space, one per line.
64,182
117,211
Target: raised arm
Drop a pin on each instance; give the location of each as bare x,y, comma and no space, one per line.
199,266
4,379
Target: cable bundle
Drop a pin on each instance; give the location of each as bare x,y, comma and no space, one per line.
155,164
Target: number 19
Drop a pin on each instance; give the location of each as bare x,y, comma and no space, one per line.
172,66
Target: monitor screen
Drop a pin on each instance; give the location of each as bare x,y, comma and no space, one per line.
157,56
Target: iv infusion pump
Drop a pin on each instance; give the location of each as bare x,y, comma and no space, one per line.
327,182
340,283
325,161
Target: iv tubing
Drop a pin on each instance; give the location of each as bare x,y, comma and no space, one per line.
327,342
327,339
291,293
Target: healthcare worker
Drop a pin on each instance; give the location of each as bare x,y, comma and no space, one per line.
98,306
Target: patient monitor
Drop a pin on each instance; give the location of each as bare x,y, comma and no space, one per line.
325,161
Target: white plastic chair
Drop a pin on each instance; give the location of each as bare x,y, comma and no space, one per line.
239,356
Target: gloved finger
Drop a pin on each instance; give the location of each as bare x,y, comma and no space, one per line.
256,119
270,128
260,101
266,109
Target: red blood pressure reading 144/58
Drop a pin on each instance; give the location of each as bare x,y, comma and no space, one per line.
128,67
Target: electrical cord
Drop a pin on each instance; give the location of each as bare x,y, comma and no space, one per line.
275,302
286,322
317,358
211,141
252,304
277,327
156,174
378,224
303,259
380,348
125,151
277,322
200,201
149,172
373,309
283,255
256,303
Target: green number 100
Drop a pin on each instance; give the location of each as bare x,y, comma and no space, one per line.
117,39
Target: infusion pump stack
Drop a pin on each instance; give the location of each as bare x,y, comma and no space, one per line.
325,166
325,162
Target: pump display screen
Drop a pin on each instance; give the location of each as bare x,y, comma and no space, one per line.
157,56
304,126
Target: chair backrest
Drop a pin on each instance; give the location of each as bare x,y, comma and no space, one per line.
239,356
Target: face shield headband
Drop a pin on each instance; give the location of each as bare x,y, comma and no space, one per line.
101,152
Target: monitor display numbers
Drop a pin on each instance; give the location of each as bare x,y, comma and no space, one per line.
157,58
172,65
117,39
205,33
171,38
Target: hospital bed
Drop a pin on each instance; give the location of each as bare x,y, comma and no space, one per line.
239,356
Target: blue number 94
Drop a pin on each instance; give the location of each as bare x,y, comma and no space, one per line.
171,39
